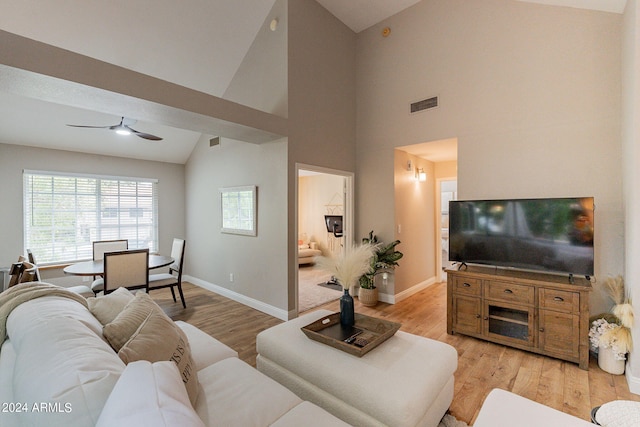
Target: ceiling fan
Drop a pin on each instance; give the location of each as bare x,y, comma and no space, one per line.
123,128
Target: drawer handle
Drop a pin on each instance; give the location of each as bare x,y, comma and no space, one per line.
508,291
478,316
466,285
558,299
541,329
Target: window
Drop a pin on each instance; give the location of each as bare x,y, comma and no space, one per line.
65,213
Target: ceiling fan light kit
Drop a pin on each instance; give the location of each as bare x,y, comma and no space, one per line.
123,129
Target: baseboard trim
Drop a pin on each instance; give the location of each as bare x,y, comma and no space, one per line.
632,381
415,289
242,299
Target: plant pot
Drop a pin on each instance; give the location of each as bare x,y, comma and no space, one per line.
368,297
607,361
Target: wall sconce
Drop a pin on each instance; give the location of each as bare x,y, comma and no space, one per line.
421,175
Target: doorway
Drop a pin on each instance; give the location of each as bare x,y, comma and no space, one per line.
448,191
324,222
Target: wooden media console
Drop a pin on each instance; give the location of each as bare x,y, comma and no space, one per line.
542,313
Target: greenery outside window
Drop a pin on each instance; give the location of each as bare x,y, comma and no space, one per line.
65,213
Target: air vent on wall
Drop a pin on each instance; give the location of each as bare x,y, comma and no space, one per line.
214,141
425,104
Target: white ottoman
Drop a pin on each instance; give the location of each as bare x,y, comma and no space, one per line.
406,381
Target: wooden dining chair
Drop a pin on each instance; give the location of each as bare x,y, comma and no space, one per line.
15,272
174,277
102,246
126,269
29,272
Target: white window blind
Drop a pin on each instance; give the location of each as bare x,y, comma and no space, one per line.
64,214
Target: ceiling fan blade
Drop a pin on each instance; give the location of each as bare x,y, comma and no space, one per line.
144,135
92,127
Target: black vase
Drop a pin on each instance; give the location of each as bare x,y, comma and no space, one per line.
347,315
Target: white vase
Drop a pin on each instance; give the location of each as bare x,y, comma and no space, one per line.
608,362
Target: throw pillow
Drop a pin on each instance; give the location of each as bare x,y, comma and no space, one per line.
107,307
158,339
129,320
149,394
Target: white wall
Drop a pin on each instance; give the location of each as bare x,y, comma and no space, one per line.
15,158
258,264
630,165
532,93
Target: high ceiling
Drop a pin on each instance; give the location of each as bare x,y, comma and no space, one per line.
193,43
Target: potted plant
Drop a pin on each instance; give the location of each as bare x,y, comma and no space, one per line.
610,333
385,257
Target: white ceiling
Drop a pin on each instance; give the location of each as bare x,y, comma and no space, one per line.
194,43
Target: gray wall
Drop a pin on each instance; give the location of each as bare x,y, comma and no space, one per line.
532,93
321,103
259,263
14,159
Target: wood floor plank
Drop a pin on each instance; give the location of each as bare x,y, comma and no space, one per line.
481,365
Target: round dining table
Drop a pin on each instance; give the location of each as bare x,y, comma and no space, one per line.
96,268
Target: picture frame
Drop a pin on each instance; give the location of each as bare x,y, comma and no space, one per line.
239,210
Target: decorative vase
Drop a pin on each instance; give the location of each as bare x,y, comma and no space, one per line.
347,314
607,361
368,297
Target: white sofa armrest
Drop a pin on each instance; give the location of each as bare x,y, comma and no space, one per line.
505,409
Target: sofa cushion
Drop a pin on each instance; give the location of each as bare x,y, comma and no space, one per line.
149,394
159,339
106,308
7,363
60,362
309,415
205,349
120,330
235,394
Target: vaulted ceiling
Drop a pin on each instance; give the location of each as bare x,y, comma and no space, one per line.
196,44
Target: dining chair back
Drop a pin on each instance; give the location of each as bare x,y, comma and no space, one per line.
174,277
126,269
15,272
102,246
32,260
29,272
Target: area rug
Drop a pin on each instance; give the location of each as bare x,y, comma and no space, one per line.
450,421
310,295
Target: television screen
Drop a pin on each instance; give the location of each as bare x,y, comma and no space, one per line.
554,235
333,223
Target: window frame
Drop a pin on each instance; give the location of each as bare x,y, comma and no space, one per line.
72,242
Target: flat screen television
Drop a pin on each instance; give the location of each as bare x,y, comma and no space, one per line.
333,223
553,235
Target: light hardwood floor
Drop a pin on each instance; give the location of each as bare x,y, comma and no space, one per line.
482,366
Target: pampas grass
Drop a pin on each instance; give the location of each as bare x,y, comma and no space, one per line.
348,267
614,287
624,312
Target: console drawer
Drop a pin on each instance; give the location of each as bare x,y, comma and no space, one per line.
467,285
568,302
512,292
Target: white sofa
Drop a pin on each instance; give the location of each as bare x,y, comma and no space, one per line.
502,408
57,369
